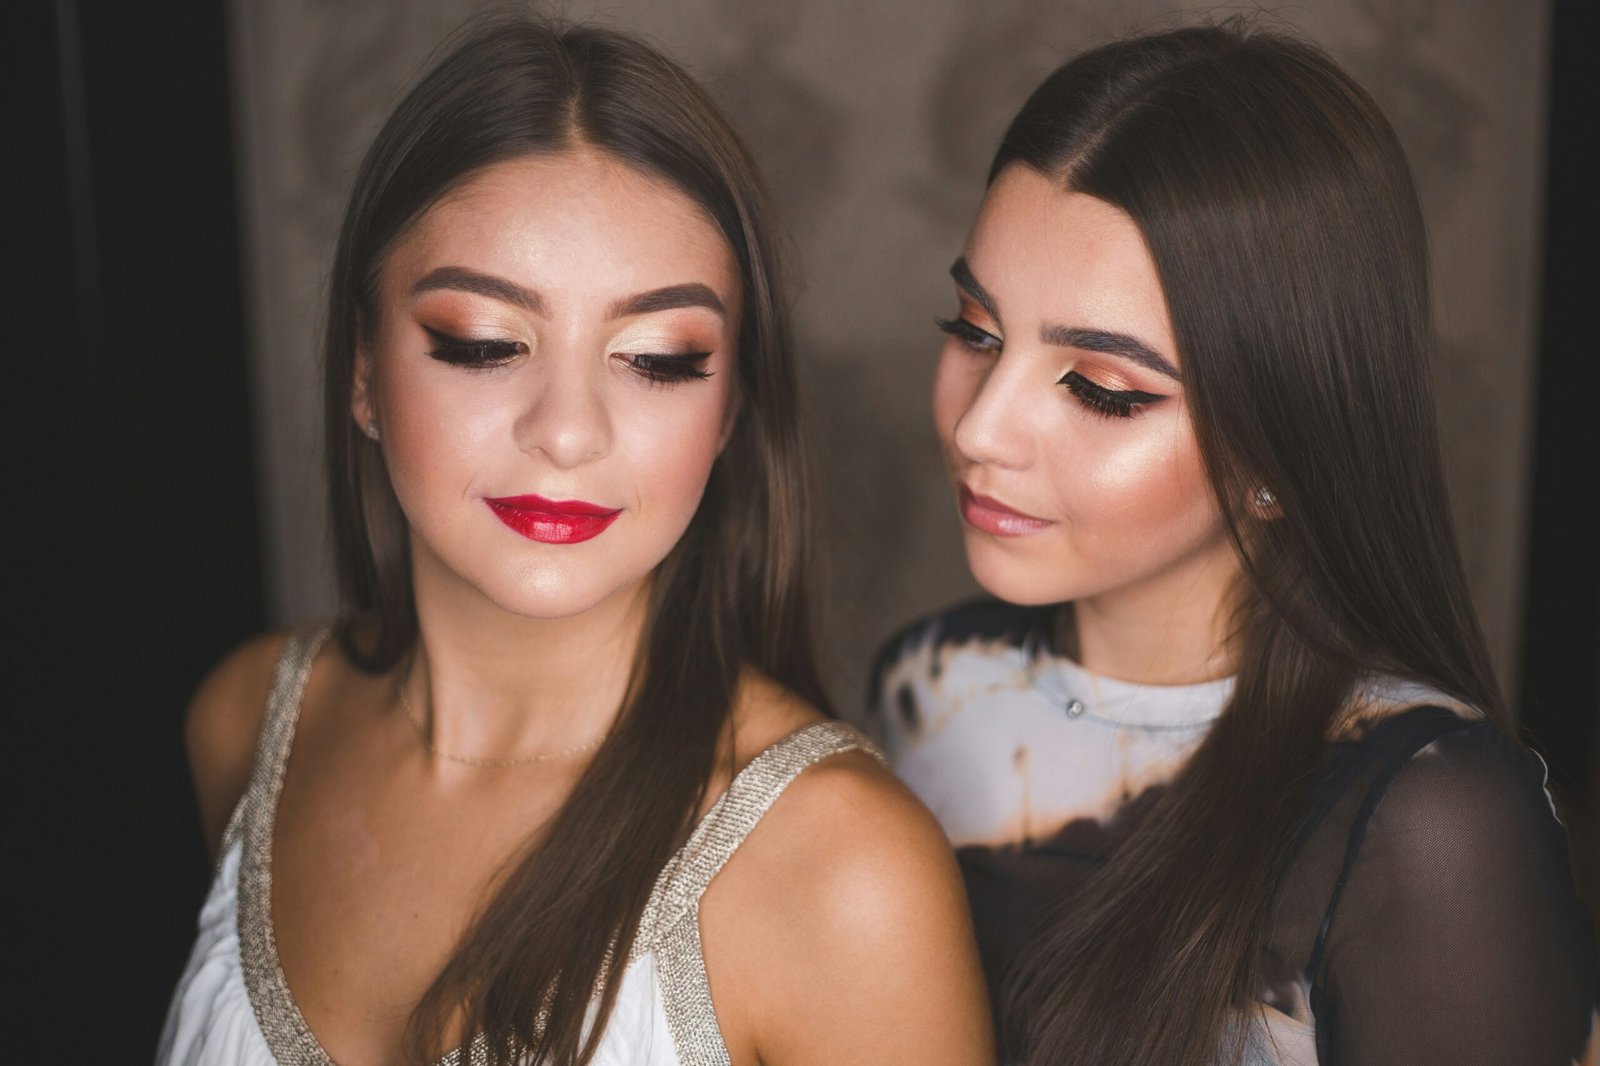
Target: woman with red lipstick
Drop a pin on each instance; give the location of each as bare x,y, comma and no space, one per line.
1227,765
556,787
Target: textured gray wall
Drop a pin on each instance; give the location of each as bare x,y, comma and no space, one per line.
874,120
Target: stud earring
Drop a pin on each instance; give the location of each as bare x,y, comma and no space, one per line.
1265,498
371,429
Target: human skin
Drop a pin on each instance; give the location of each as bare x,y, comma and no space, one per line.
845,895
570,415
1096,447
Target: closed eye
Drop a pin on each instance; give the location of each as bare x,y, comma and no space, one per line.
470,352
1109,403
979,340
660,369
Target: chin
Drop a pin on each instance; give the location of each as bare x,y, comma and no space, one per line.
1015,580
553,593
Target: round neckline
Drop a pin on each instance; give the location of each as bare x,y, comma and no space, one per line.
1112,701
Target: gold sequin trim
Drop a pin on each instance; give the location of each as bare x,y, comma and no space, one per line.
281,1023
669,927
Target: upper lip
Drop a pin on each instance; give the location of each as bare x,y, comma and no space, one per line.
992,504
544,505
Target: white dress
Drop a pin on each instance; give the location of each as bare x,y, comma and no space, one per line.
232,1005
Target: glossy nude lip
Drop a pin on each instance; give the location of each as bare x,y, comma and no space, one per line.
992,516
552,521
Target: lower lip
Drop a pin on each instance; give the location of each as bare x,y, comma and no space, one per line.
550,522
999,521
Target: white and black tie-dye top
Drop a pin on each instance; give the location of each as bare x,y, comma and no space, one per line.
1427,915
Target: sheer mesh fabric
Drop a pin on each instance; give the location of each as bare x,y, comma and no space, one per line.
1432,908
1427,913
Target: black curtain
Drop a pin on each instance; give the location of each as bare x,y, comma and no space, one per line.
135,558
1561,630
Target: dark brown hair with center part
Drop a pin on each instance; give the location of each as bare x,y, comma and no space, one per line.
731,592
1277,206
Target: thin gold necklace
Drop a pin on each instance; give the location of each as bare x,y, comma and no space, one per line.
474,760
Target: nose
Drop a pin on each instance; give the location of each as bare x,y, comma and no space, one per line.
994,427
565,417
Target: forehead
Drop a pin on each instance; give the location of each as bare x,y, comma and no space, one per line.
578,222
1050,255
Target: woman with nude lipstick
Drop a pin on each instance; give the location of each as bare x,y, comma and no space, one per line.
1225,761
558,785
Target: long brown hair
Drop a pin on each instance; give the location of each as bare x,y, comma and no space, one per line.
565,917
1277,206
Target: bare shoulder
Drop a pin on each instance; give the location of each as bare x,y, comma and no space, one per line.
847,893
222,725
853,819
845,819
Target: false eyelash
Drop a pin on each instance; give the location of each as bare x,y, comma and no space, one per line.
977,339
670,369
477,354
1108,403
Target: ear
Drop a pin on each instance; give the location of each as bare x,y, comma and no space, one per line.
362,407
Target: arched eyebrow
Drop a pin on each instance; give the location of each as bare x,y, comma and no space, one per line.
495,288
667,298
689,294
1090,340
1109,343
962,275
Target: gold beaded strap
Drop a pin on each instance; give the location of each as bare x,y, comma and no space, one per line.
670,926
283,698
282,1025
281,1022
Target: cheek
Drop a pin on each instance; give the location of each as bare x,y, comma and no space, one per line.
1139,480
668,444
438,430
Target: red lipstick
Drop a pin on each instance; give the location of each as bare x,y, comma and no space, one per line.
992,516
553,521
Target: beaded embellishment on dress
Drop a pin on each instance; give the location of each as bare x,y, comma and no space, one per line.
669,928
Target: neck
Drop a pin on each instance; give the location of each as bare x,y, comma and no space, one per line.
490,683
1169,629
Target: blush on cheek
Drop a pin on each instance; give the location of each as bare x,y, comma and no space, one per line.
1139,473
668,443
680,471
1147,472
1158,511
444,437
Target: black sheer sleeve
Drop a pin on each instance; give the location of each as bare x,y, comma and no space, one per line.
1455,935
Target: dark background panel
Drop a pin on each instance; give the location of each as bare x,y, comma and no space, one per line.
137,547
1560,695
